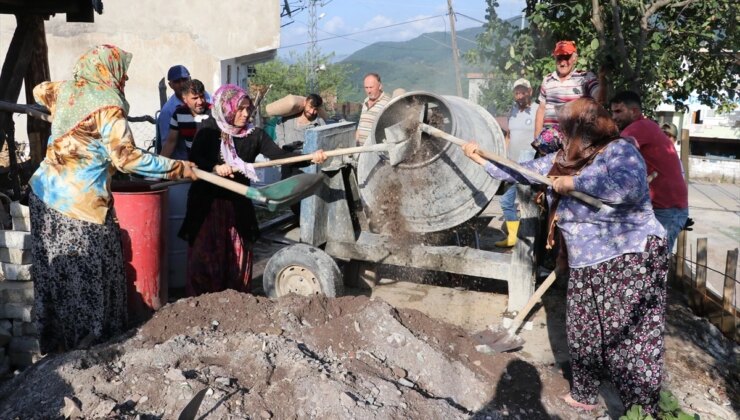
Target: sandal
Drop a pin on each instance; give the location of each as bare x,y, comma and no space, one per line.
577,405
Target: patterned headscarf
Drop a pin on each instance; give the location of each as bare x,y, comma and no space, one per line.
99,77
225,105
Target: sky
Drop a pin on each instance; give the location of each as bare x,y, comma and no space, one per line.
346,17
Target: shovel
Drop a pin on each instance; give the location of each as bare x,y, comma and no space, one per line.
397,153
435,132
275,195
405,130
500,339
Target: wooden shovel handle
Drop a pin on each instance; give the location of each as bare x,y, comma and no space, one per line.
228,184
337,152
510,164
167,184
517,322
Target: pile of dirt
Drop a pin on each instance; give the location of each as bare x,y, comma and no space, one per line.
351,357
702,366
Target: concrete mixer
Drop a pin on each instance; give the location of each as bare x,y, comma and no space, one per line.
407,214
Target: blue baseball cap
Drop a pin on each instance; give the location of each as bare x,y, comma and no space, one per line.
177,72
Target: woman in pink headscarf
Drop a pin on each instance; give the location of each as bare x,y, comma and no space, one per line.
220,225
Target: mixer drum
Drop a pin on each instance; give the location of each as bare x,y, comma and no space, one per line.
436,187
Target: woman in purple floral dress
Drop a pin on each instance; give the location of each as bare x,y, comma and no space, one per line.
617,256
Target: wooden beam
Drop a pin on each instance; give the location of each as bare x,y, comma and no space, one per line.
16,60
38,71
44,7
11,78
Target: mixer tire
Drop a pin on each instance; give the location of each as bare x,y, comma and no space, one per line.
302,269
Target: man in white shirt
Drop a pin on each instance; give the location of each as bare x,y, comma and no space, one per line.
518,148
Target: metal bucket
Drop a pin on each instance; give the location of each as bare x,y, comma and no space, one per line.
438,188
140,212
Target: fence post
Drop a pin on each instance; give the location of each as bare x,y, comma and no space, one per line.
728,323
680,261
701,275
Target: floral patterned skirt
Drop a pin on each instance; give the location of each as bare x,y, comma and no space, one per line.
219,258
78,278
615,320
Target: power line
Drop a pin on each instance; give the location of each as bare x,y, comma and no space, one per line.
365,31
384,46
471,18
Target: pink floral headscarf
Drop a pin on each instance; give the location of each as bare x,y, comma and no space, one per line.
225,105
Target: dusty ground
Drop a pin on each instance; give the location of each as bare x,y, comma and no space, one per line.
402,350
352,357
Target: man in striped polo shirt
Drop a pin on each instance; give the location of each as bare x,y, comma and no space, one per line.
186,120
563,85
371,107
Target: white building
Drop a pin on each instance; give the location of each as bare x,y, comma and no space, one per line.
216,41
714,137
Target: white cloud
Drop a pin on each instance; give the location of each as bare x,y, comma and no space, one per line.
335,24
378,21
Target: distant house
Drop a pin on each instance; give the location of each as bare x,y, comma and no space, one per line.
714,140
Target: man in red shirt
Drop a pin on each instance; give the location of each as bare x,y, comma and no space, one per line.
668,191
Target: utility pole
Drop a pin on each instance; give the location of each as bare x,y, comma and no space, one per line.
313,49
455,51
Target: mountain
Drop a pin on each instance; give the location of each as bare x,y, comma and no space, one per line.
422,63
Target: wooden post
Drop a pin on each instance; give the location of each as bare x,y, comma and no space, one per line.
455,51
680,260
38,71
728,322
701,274
685,152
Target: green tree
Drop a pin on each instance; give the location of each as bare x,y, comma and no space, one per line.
676,47
290,77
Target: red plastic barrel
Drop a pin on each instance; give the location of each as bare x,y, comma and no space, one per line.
142,216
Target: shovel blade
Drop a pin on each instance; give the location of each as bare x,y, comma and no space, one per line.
399,137
499,339
291,190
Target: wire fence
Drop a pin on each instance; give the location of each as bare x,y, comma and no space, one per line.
718,304
144,130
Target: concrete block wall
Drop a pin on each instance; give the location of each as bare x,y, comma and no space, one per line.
19,346
714,169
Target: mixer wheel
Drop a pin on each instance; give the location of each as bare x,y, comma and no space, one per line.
304,270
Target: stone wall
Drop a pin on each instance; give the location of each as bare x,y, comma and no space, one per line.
19,344
714,169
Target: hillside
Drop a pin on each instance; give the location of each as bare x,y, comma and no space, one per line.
424,62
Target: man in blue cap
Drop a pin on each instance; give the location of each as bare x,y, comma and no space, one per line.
176,77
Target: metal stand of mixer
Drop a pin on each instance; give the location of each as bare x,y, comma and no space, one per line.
336,221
